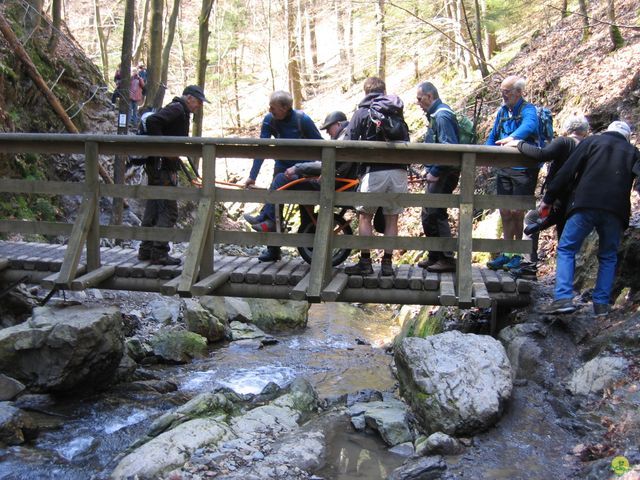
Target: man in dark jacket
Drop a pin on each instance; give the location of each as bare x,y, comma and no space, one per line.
172,120
443,128
377,178
599,174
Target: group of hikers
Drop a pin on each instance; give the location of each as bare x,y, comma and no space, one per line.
587,187
136,93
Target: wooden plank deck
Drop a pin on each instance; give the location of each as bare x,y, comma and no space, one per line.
245,276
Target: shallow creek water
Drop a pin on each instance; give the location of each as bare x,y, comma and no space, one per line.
339,353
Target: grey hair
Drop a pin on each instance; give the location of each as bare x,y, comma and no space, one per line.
576,123
281,97
428,87
520,84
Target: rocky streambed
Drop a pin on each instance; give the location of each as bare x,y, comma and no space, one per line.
234,389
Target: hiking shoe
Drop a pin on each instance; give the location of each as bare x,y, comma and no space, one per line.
564,305
253,218
515,262
499,262
266,226
363,267
601,309
443,265
270,254
386,268
165,260
144,255
525,271
426,263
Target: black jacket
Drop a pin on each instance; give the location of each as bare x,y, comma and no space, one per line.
557,152
170,121
599,174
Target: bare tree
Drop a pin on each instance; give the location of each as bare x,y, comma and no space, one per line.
339,10
614,31
563,9
166,51
203,62
489,33
585,19
154,68
141,32
381,40
56,24
312,21
102,39
295,82
34,14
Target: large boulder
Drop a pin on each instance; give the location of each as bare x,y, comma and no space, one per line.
15,425
10,388
455,383
389,418
60,349
270,315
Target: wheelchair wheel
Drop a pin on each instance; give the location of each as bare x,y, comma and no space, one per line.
339,255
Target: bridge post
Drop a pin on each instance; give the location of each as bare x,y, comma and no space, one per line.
93,188
321,262
199,258
465,230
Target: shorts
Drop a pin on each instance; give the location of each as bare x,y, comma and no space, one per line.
384,181
517,182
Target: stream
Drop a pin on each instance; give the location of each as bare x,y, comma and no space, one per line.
340,352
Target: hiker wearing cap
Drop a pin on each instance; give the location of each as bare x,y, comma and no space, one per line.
335,123
173,120
599,175
443,128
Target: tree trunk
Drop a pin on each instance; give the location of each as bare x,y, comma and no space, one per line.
56,24
350,46
154,66
489,33
340,21
203,46
236,89
102,40
123,103
166,51
614,31
301,13
34,14
269,50
313,41
381,41
295,82
563,9
585,19
142,33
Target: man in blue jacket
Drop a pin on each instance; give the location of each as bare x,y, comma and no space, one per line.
282,121
443,128
599,175
516,120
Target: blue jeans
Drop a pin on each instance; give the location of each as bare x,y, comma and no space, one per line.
578,226
133,113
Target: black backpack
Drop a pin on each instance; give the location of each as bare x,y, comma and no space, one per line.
386,120
142,130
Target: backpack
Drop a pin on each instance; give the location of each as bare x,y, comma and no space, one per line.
142,130
386,121
545,125
466,128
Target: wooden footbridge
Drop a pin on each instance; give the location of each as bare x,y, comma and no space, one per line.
82,263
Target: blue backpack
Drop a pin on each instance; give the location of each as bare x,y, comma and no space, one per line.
544,134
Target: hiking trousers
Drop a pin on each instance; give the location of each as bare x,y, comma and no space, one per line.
160,213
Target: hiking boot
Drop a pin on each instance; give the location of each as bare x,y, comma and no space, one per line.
443,265
266,226
165,260
499,262
386,268
515,262
252,219
601,309
363,267
527,272
564,305
426,263
144,255
270,254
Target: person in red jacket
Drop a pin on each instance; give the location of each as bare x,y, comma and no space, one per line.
135,96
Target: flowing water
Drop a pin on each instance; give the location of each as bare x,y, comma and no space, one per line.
340,352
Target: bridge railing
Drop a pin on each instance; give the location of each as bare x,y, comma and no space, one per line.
87,231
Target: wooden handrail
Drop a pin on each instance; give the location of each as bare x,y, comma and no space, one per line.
86,232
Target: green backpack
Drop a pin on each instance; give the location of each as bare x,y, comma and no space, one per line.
466,128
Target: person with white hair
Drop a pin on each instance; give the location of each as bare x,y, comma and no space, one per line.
576,128
516,119
599,176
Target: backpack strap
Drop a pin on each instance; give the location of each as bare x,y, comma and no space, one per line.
294,113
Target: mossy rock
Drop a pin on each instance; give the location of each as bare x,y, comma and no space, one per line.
179,346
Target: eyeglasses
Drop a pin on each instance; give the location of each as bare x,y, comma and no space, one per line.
506,91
